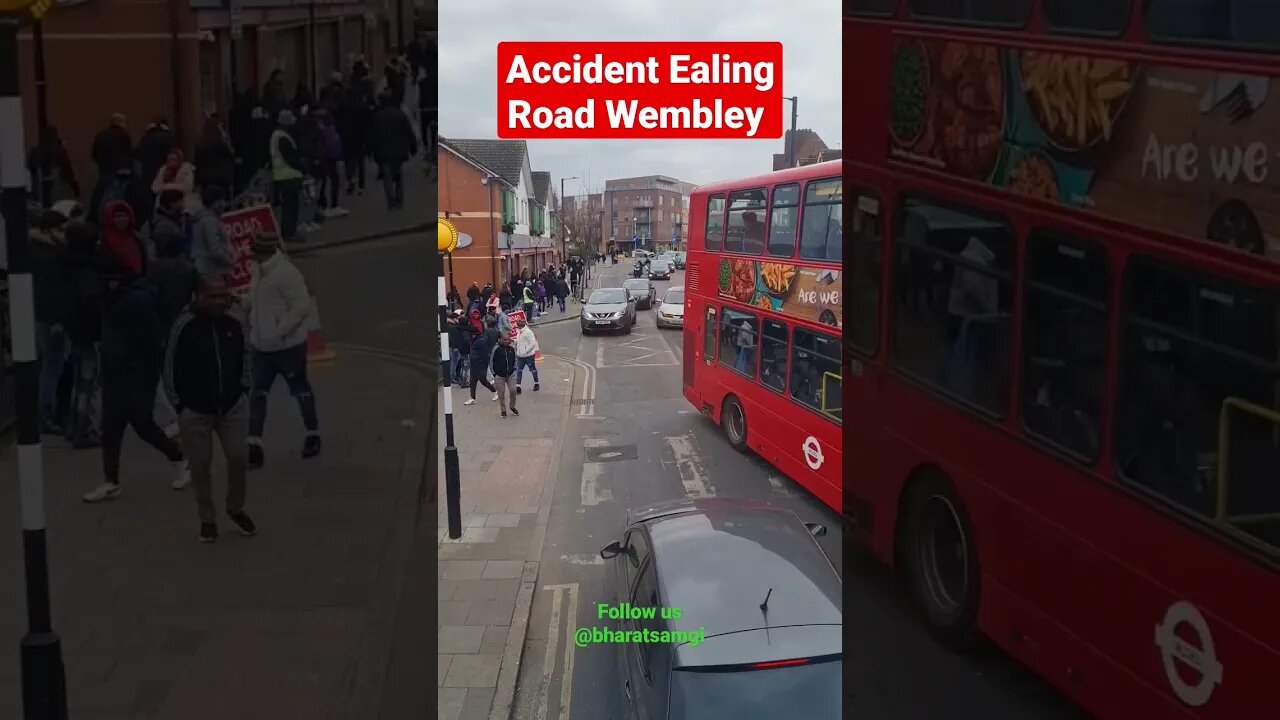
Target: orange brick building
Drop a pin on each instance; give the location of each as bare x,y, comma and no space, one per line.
174,58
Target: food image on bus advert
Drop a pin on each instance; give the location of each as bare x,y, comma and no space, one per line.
1184,151
808,293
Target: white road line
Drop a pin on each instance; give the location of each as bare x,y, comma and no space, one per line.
595,442
599,353
692,474
566,680
587,396
592,493
549,660
583,559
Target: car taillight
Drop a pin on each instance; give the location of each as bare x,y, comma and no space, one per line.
779,663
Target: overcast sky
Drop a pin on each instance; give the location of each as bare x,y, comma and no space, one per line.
809,31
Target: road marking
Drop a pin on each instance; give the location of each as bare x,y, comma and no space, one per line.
634,343
583,559
588,391
692,474
595,442
549,660
553,641
592,493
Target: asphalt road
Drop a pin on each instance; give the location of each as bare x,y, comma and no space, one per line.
634,441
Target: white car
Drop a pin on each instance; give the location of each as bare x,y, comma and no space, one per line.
671,308
641,254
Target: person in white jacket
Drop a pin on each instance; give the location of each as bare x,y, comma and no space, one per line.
526,352
280,315
177,174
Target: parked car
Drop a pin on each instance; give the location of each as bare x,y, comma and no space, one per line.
641,254
643,290
759,623
659,269
608,309
671,308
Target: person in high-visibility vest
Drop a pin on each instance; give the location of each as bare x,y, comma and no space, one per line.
286,173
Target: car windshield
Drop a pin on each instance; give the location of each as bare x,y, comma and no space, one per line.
607,296
674,297
807,691
640,285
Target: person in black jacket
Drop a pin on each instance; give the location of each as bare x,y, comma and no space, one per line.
84,329
481,351
52,304
215,161
394,142
206,377
503,365
130,356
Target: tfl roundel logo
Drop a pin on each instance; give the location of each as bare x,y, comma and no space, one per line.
1186,646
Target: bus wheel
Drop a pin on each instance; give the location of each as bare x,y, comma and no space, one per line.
942,562
734,422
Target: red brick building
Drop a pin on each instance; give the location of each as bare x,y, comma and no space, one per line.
809,149
178,59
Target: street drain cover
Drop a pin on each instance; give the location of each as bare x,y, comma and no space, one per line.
611,453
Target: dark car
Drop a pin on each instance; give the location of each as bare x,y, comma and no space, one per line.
659,269
758,632
608,309
643,291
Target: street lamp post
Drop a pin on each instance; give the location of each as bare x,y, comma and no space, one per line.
44,685
791,137
563,251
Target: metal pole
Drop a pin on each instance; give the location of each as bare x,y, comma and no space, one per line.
45,187
563,224
44,686
791,142
493,237
452,474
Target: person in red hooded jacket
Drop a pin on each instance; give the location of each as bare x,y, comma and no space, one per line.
120,239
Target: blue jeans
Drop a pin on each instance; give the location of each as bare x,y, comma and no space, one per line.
53,346
561,303
292,364
526,362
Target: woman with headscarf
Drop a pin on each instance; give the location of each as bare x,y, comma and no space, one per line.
121,244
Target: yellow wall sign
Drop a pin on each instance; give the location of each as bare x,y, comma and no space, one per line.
446,234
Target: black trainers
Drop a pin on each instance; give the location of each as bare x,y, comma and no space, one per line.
535,387
519,389
504,414
208,532
515,412
256,459
311,446
244,524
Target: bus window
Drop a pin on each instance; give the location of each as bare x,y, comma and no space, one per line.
773,356
738,341
868,249
1182,390
1091,17
1064,342
953,300
875,8
709,335
815,361
820,230
1215,22
745,233
715,222
782,220
1011,13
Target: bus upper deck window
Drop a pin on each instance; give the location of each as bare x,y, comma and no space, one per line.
715,222
820,227
744,232
784,216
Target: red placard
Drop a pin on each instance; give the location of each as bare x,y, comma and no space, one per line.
241,226
515,316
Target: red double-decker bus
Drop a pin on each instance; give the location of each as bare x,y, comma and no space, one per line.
763,318
1063,345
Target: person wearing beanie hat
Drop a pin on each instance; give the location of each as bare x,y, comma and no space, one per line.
280,316
287,171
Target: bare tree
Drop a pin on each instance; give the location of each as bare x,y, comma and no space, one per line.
581,219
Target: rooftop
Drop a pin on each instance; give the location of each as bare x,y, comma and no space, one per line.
504,157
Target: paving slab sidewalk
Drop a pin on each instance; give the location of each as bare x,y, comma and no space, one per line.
369,218
487,576
294,623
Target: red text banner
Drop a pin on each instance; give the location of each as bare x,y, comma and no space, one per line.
242,226
640,90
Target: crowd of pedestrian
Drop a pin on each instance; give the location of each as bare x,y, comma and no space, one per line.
134,331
